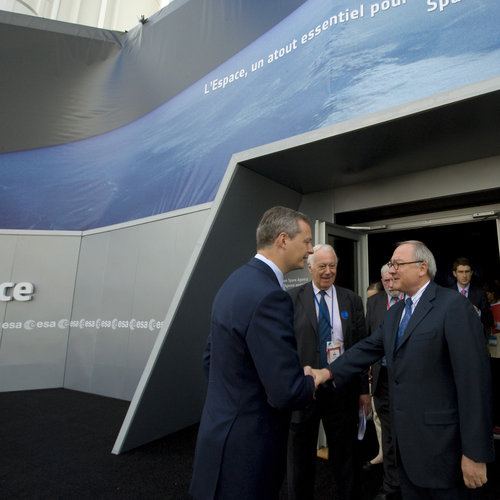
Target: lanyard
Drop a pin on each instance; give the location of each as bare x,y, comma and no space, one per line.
327,319
401,296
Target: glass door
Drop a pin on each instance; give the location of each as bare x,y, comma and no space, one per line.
351,248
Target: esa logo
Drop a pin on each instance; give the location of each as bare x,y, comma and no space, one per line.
22,292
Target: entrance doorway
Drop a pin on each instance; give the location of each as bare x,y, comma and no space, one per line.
478,241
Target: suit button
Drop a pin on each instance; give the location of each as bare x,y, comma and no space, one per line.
396,382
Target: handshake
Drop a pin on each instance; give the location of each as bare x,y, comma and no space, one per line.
320,376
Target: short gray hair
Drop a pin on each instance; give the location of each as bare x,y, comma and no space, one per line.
384,269
321,246
422,253
278,220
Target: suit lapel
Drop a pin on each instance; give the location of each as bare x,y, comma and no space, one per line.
307,299
343,306
398,311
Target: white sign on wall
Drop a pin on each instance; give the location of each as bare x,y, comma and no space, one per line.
22,292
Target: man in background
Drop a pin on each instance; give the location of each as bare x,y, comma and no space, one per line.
327,319
255,378
462,270
376,309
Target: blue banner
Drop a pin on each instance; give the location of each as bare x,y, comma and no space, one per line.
323,64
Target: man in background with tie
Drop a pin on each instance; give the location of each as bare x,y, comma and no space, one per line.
376,308
462,270
439,381
327,319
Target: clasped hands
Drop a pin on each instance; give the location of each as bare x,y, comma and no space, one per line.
320,376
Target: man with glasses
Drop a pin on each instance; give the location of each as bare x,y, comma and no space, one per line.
439,381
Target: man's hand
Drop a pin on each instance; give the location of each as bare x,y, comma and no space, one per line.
320,375
474,473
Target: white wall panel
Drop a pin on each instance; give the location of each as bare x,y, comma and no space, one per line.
100,300
34,334
126,279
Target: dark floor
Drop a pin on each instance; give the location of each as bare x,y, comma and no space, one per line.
56,444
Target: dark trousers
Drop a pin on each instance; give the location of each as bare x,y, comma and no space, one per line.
381,400
339,412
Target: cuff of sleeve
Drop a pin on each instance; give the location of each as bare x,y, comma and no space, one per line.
331,377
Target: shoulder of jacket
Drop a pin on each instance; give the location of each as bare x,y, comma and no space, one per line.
347,292
296,290
379,296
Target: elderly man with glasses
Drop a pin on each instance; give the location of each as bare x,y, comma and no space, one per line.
439,381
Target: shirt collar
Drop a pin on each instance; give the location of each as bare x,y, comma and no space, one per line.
393,300
276,270
329,291
416,297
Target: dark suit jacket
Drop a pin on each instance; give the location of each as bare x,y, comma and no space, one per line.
255,380
477,297
306,330
439,383
376,309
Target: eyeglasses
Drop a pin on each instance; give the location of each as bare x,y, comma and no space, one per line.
396,264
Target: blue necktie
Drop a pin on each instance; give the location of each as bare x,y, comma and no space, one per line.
405,320
324,330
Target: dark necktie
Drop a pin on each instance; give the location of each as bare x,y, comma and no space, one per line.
405,320
324,330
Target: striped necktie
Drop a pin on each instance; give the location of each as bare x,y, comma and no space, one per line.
324,330
405,320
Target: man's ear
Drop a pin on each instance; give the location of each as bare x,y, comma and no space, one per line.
281,240
424,271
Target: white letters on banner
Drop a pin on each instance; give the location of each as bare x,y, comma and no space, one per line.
21,292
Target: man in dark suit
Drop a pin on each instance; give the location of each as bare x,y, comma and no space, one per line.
376,309
462,270
439,381
255,378
342,315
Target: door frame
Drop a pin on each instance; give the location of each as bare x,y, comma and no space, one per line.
359,233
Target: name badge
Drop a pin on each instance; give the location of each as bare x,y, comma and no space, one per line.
333,350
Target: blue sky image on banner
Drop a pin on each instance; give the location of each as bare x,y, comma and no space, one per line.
305,73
